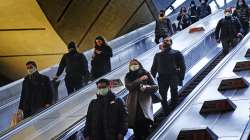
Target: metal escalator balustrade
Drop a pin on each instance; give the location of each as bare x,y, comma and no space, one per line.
81,123
124,48
229,125
73,108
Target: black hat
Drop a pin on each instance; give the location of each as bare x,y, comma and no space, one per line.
71,45
106,81
162,11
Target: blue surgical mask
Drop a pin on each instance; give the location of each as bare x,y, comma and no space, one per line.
102,91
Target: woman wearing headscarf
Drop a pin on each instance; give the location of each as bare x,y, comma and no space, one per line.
140,84
101,58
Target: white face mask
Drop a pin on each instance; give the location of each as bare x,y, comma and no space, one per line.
134,67
102,91
31,71
240,3
227,14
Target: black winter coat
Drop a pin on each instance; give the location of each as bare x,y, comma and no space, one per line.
227,28
242,12
36,94
101,62
163,27
75,63
193,14
106,118
184,21
204,10
167,62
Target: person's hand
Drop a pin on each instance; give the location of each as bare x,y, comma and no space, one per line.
98,52
218,40
144,77
144,87
120,137
55,78
239,35
47,105
19,115
180,83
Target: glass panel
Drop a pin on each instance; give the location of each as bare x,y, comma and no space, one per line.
229,1
177,3
167,12
220,2
213,6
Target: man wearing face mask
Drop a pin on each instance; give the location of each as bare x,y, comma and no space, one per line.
228,31
36,91
204,9
76,65
107,117
170,66
243,14
163,27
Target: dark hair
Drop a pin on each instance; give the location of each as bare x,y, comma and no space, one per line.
183,8
71,45
106,81
31,63
170,39
162,11
244,4
205,1
192,2
102,39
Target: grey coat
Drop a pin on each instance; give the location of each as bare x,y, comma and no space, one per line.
144,98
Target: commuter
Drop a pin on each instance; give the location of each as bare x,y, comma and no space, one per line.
228,31
140,84
101,58
170,66
204,9
107,117
183,18
36,91
243,14
193,12
163,27
76,66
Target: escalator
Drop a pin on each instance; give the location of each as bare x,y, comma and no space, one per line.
60,116
216,107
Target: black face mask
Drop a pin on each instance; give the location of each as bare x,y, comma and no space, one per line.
161,15
167,46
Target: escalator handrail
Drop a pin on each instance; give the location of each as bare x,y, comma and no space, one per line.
72,129
9,132
197,90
